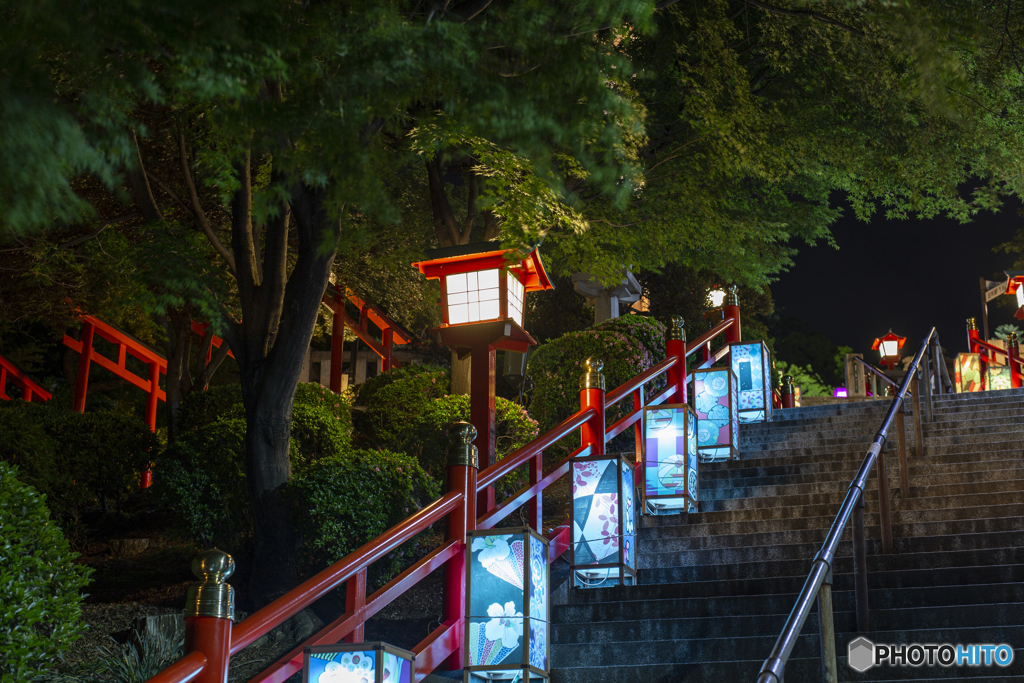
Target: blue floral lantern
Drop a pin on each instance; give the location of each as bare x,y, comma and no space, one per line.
752,366
507,607
603,520
358,663
997,377
670,460
715,400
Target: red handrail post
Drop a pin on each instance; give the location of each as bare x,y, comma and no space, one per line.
732,310
388,344
82,379
592,396
209,609
463,465
535,506
788,398
675,347
355,603
972,340
1013,359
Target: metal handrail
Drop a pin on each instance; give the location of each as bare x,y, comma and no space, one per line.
773,668
875,371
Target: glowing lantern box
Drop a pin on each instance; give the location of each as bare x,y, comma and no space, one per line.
997,378
753,369
715,400
358,663
507,620
603,521
967,373
670,459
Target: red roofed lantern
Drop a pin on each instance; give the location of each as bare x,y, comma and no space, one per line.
483,296
1015,285
889,347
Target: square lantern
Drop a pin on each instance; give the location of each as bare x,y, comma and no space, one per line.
796,397
603,522
997,377
507,622
716,400
484,284
670,459
1015,287
358,663
967,374
751,364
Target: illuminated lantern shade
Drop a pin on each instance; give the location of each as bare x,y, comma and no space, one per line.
997,377
603,520
888,348
715,400
752,368
358,663
716,297
670,460
1015,286
507,620
968,372
839,392
483,283
796,397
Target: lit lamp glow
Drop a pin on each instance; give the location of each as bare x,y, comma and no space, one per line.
358,663
670,460
507,620
967,372
1015,285
888,348
716,297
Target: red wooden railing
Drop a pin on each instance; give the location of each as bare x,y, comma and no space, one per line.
990,351
208,660
29,389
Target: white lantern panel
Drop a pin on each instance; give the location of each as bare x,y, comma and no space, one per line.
473,297
889,348
516,295
1020,294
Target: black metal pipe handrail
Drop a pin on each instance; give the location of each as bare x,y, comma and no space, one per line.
773,667
875,370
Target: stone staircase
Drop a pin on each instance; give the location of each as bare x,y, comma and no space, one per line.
715,589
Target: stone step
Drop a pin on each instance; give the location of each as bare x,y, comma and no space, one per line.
944,446
979,426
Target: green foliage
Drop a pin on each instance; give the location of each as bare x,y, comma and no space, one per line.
395,402
555,367
75,458
203,474
346,500
1003,330
804,377
40,583
135,661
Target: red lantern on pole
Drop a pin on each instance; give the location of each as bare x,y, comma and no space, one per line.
1015,286
483,296
889,348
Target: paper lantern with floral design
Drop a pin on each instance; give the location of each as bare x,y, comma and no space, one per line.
715,400
358,663
997,377
507,620
967,372
603,521
752,366
670,460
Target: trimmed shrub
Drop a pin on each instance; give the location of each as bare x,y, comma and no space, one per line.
343,501
627,346
40,583
201,408
395,401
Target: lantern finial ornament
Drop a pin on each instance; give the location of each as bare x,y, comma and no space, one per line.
461,451
674,327
1011,341
592,377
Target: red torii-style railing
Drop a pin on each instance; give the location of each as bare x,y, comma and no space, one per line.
213,640
391,332
989,352
29,389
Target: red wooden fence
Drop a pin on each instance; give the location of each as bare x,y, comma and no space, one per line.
29,390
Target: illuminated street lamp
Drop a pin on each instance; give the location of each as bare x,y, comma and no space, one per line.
483,296
1015,285
716,297
889,349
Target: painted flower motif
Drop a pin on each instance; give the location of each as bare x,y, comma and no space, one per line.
705,402
492,549
707,433
719,415
506,624
717,384
538,645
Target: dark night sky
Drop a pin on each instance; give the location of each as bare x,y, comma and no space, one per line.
904,274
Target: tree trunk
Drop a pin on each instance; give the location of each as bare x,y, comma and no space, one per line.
460,375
